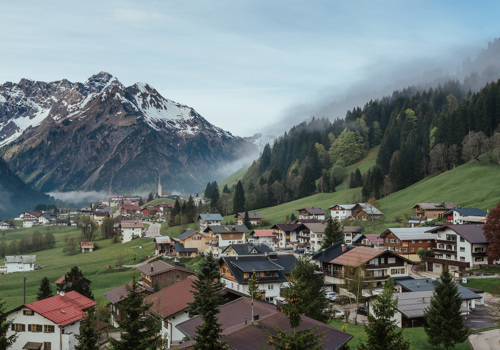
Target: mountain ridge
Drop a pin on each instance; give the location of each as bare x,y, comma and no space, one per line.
111,129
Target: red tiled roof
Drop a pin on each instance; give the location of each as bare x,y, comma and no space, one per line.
63,310
374,238
265,233
172,299
87,244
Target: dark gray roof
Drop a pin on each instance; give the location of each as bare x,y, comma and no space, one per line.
250,215
226,228
239,265
428,284
468,212
410,233
472,233
287,261
313,211
186,234
211,217
413,304
249,249
352,229
179,248
286,227
331,253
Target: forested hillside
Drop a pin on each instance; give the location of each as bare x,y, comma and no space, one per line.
420,132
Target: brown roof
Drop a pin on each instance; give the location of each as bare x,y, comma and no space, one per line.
172,299
241,334
162,266
32,346
435,206
352,229
315,227
131,224
119,293
357,256
87,244
473,233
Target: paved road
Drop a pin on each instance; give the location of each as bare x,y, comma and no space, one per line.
488,340
479,318
153,229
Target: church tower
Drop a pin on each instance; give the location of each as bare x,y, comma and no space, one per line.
160,191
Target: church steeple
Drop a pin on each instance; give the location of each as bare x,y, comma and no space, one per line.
160,191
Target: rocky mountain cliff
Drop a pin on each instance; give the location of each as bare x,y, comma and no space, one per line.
100,135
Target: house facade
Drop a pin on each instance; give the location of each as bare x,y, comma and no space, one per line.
116,297
192,242
341,212
432,211
160,274
263,237
287,235
465,244
350,232
311,213
19,263
209,220
313,233
254,218
164,245
460,216
407,241
49,324
131,229
222,236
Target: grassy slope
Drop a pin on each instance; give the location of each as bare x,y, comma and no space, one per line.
55,264
470,185
233,178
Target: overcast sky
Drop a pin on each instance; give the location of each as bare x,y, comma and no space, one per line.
243,65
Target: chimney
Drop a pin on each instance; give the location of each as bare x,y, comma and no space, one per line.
151,267
344,248
61,293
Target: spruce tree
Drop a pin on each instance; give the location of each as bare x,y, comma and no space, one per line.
246,220
74,280
45,290
89,335
333,233
239,198
214,200
207,300
5,325
253,287
445,323
141,331
381,330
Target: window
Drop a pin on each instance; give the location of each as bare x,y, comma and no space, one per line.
392,260
478,259
462,258
28,312
462,249
419,241
392,240
47,345
404,249
35,328
397,271
387,240
412,249
270,286
428,241
412,241
48,328
18,327
178,277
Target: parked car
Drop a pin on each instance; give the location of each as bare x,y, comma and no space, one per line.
336,313
363,310
300,250
332,297
342,299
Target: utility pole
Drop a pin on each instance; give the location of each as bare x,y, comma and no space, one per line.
25,278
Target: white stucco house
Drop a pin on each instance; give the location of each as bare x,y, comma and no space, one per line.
19,263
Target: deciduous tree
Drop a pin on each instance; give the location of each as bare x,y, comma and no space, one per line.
492,233
445,323
253,288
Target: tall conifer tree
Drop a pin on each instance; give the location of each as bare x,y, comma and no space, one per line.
333,233
239,198
443,316
45,290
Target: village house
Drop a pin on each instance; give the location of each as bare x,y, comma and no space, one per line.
29,222
209,220
50,323
240,332
246,249
160,274
170,306
98,217
5,225
432,211
311,235
19,263
222,236
254,218
131,229
46,219
271,271
311,213
365,211
340,262
116,296
164,245
192,242
87,247
263,237
350,232
460,216
371,240
150,210
287,235
415,296
341,212
407,240
130,210
458,247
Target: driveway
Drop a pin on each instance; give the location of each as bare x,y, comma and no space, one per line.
488,340
153,229
479,318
